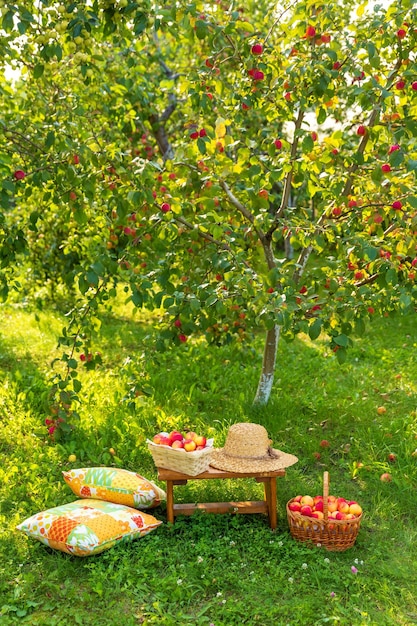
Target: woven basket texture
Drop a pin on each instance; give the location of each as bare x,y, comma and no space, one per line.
334,535
178,460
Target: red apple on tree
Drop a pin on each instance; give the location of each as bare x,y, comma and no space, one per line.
257,49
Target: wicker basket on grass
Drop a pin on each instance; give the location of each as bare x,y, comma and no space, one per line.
179,460
334,535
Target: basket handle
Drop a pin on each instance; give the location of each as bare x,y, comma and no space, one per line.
325,495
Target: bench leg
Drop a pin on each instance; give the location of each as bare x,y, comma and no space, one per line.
270,487
170,501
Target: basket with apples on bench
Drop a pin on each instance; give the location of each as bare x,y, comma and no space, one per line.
187,453
325,520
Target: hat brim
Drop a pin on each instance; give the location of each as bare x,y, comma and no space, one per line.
220,460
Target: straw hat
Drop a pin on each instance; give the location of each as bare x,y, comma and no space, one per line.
248,449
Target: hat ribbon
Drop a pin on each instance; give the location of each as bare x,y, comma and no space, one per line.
270,454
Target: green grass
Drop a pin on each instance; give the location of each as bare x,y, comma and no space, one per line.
213,569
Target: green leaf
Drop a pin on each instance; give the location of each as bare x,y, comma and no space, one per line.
322,115
38,70
371,252
341,355
50,139
391,277
8,22
412,201
76,385
359,327
201,29
315,329
341,340
201,145
371,49
396,158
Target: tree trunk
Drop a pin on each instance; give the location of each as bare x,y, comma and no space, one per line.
268,366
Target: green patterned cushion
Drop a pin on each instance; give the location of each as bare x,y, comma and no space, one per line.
114,485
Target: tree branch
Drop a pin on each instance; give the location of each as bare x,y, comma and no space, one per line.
305,253
208,237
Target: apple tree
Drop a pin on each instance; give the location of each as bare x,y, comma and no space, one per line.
241,168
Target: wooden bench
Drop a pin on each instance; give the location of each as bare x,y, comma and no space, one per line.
267,506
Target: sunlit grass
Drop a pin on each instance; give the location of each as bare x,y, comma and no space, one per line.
233,569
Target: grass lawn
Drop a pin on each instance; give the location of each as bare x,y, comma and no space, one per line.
222,570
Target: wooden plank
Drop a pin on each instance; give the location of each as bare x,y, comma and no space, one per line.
211,473
252,506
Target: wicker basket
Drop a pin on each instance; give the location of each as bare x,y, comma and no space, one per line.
334,535
179,460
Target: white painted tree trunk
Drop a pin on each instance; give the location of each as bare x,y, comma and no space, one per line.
268,366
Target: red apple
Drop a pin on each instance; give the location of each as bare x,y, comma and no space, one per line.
393,148
337,211
257,49
386,167
401,33
203,132
361,131
343,506
165,207
306,510
332,504
278,144
176,444
19,174
200,441
190,435
307,500
397,205
263,194
189,445
297,499
319,506
258,75
175,435
324,443
177,323
355,509
310,32
294,506
386,477
392,457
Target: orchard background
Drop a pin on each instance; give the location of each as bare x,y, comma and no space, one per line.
237,168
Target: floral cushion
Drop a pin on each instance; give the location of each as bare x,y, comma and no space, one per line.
87,527
114,485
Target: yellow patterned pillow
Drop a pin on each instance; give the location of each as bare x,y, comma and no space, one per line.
87,527
114,485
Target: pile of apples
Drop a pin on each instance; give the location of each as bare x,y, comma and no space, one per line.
338,508
188,442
